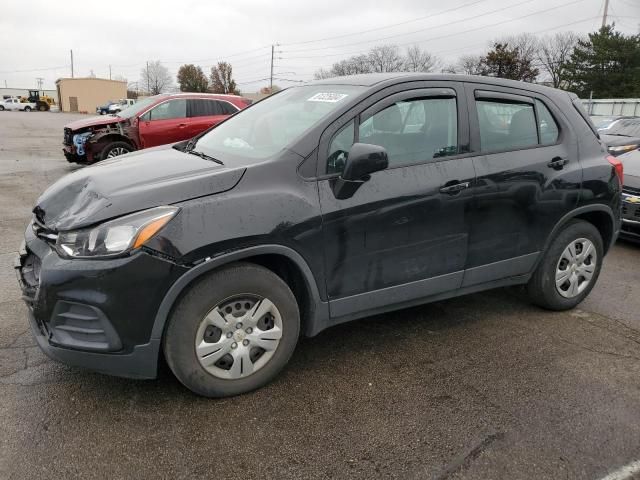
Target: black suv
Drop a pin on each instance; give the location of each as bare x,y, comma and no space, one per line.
321,204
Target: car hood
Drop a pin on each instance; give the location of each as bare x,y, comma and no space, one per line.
631,166
93,121
133,182
618,140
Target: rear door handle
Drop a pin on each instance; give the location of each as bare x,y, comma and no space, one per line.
182,125
453,189
557,163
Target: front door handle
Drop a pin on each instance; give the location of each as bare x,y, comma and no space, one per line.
455,188
182,125
557,163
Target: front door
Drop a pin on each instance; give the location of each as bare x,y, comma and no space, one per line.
403,235
528,178
164,123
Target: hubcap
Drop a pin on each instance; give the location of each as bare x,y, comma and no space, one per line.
576,267
115,152
238,336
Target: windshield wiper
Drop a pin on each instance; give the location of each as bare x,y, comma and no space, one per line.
203,155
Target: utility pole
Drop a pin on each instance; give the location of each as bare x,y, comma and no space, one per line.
271,76
71,63
606,11
109,72
147,75
40,80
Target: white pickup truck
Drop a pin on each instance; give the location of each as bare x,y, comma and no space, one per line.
15,104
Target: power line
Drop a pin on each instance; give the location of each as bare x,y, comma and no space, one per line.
448,35
35,69
387,26
415,31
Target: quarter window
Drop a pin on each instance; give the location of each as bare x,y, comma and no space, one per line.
203,108
548,126
506,126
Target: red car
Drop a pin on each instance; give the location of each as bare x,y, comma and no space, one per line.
157,120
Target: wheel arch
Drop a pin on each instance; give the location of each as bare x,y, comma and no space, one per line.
283,261
599,215
102,140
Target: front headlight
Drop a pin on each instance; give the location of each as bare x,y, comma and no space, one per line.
116,236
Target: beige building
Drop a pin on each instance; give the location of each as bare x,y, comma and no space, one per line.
85,94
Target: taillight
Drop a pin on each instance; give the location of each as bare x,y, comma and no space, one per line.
617,165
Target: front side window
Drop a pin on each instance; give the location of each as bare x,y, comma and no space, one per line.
414,131
506,125
169,110
339,148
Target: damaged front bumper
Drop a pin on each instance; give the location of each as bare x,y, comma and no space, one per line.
96,314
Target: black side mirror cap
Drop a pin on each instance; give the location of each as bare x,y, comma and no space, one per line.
363,160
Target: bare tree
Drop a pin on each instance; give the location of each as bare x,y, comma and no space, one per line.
322,73
418,60
555,54
469,64
155,78
222,79
386,58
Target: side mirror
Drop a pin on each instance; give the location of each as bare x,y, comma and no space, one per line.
363,160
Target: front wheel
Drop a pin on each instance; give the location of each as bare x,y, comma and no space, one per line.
115,149
569,269
233,331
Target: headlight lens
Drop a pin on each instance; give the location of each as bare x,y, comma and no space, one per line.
116,236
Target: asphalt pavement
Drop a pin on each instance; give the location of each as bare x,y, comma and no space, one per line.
484,386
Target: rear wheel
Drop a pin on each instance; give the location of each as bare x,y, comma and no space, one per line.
42,108
1,108
27,109
115,149
569,269
233,331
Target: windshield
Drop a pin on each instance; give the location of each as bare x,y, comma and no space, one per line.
602,122
136,108
629,127
274,123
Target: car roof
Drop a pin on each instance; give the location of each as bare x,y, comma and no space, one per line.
376,79
200,95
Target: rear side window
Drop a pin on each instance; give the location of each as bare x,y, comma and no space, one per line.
203,108
548,127
506,125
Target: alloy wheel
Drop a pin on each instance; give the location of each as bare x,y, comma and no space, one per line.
239,336
576,267
116,152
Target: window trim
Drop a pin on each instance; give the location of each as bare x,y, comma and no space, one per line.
497,91
439,89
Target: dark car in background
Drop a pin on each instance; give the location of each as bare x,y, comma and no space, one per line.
157,120
321,204
631,196
622,135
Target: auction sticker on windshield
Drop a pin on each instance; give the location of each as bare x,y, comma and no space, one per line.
327,97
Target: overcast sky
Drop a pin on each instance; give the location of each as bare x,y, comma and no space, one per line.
36,35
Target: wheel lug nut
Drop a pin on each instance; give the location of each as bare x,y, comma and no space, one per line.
234,345
245,342
249,330
229,335
238,325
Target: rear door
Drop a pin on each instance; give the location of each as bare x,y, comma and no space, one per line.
164,123
403,234
204,113
528,177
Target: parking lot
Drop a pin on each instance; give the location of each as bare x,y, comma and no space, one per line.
482,386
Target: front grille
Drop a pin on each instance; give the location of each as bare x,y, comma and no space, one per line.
631,190
631,211
68,136
42,231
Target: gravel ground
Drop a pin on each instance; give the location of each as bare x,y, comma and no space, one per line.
482,386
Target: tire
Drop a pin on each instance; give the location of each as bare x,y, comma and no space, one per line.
111,150
27,109
42,108
1,108
227,289
542,288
